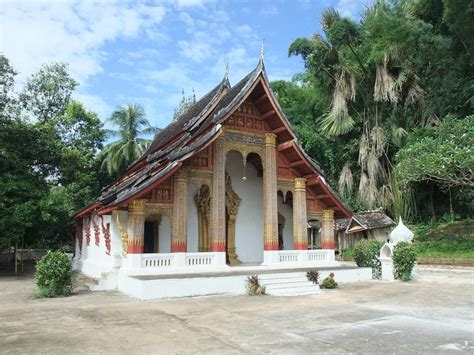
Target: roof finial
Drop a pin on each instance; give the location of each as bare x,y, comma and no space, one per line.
226,73
262,50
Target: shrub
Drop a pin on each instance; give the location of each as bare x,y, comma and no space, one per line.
54,275
253,286
366,255
313,276
329,282
404,259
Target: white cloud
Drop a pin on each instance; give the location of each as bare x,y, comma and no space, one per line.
95,104
350,8
70,31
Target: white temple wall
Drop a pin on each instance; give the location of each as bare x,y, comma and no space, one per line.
193,229
286,211
249,222
94,260
164,236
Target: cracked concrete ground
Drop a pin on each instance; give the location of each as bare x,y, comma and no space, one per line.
432,315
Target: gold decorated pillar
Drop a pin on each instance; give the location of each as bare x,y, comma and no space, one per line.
270,208
218,225
180,212
327,230
136,226
300,238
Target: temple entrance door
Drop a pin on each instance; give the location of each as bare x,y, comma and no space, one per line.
150,244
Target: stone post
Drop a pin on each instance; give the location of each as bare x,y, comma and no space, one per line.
136,226
327,230
300,234
218,198
270,206
180,212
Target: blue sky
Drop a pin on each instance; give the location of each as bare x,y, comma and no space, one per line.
146,52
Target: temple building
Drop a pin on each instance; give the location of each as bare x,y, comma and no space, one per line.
226,185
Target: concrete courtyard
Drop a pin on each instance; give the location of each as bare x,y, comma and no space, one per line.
432,315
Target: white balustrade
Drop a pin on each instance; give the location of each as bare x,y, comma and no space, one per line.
319,257
199,259
157,261
170,262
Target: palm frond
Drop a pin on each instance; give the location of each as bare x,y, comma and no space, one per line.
385,88
364,147
346,180
379,140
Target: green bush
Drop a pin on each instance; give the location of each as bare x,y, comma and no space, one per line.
366,254
329,282
54,275
404,259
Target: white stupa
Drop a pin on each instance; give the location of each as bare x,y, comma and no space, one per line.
401,234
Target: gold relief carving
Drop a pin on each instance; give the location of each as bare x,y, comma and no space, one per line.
244,144
201,159
300,183
327,230
232,204
203,204
218,196
270,139
136,226
299,214
328,214
270,193
180,213
123,234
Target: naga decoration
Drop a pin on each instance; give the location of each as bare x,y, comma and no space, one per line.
106,232
88,231
123,235
96,231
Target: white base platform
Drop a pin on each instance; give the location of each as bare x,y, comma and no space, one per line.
232,282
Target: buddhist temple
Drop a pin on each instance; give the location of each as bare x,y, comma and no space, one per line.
225,185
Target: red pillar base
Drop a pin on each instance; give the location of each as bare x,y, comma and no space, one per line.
271,245
218,246
178,246
300,245
135,248
327,244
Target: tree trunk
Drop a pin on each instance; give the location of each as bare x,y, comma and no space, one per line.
432,201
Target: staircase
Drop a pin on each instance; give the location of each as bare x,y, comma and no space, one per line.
288,284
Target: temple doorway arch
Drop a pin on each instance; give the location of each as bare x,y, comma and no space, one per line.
244,203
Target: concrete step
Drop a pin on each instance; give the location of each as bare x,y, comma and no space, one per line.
289,275
296,291
288,284
279,281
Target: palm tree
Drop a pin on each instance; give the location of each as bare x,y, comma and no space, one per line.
132,123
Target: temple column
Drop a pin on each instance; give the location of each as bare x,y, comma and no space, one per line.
218,198
270,208
207,223
327,230
180,212
300,237
136,226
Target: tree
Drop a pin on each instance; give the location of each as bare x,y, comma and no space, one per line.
443,154
48,163
405,65
132,123
48,92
